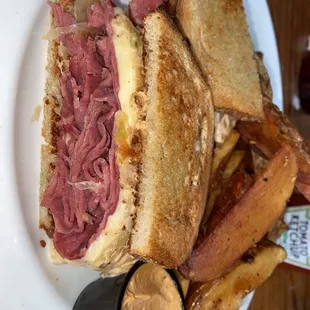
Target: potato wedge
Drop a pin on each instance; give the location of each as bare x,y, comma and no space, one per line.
226,293
212,196
230,195
223,152
266,138
217,187
222,197
246,223
233,163
224,159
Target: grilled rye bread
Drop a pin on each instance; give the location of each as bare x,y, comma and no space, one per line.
218,35
177,147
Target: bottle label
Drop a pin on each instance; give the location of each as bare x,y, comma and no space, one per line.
296,240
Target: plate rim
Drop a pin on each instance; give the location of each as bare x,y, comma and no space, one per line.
14,235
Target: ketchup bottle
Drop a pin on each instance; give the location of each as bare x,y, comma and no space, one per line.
304,81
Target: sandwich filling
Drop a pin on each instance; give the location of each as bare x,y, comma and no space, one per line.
90,194
84,189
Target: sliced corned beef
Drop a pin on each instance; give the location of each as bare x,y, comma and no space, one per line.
84,188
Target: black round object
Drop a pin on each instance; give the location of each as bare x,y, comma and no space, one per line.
108,293
102,294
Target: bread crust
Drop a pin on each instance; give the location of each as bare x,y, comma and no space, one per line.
177,147
264,78
52,104
219,38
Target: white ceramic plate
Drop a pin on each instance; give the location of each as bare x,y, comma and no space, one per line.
28,280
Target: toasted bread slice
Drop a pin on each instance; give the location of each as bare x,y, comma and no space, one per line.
218,34
177,147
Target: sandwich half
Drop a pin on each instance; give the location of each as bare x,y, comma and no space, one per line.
121,145
88,164
219,38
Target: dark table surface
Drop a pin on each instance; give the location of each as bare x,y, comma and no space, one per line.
287,289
